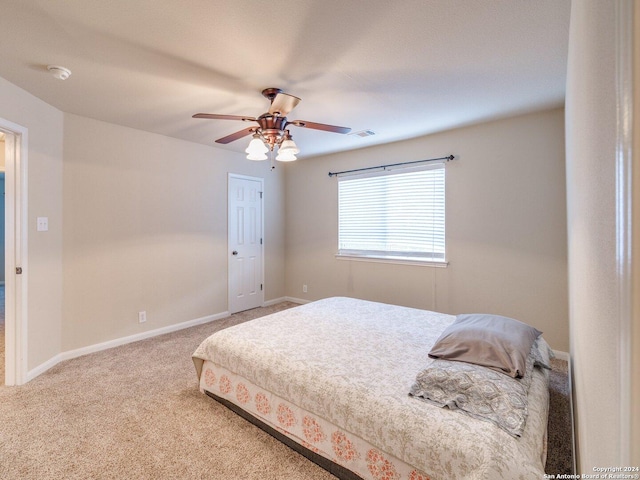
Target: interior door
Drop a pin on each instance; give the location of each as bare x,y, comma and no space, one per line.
245,243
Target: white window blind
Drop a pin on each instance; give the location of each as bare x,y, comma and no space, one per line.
393,215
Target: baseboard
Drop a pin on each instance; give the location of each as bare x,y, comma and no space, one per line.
300,301
43,367
79,352
275,301
560,355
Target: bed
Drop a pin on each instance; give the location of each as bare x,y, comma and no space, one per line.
333,377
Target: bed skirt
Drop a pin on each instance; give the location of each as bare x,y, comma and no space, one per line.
341,453
333,468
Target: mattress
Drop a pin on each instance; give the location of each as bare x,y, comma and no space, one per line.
334,376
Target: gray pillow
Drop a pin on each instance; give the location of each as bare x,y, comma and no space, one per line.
542,354
493,341
479,392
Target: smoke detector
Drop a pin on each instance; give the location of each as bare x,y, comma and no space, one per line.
61,73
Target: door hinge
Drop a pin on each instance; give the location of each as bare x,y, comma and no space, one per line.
260,241
260,195
260,287
18,270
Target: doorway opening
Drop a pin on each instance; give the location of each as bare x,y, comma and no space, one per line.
13,154
2,255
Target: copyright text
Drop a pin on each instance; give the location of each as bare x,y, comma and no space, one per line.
601,473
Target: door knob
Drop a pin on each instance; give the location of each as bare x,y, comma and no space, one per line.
235,252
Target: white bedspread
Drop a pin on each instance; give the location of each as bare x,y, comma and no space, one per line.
352,362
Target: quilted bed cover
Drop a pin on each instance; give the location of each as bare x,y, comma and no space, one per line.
351,364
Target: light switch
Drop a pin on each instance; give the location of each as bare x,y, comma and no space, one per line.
43,224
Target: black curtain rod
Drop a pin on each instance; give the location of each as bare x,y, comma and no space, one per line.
332,174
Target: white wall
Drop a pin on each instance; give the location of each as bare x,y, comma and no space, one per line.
146,229
595,315
506,226
45,125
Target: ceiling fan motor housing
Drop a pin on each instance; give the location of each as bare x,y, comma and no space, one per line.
271,128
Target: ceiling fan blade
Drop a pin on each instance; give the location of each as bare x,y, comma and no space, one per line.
237,135
319,126
282,104
215,116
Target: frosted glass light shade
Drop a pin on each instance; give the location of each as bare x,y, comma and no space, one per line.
289,146
257,147
286,156
257,156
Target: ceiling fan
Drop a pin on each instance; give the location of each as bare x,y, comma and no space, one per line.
272,129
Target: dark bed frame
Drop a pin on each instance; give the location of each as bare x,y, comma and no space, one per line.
338,470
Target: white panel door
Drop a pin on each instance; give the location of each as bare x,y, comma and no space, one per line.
245,243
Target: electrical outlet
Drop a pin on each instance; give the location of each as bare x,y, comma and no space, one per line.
43,224
304,289
142,317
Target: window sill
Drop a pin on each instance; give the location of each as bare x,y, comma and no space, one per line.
393,260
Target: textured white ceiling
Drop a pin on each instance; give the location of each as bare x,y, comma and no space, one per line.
402,69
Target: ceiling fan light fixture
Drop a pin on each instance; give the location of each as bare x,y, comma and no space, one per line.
289,146
286,156
256,147
272,131
257,156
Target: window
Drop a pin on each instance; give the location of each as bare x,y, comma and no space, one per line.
393,215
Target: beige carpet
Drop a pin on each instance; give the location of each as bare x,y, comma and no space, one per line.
95,418
560,458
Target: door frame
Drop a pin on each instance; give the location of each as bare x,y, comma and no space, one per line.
16,229
262,281
627,216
